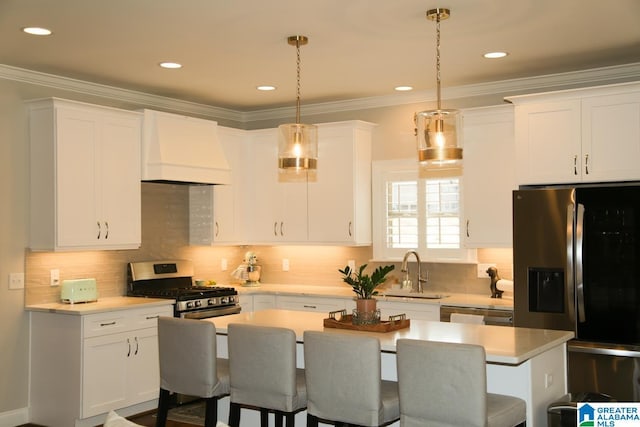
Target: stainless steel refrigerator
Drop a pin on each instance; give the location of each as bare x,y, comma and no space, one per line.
576,255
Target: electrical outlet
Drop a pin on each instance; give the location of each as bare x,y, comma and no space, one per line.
223,264
482,270
285,264
54,277
16,280
548,380
352,264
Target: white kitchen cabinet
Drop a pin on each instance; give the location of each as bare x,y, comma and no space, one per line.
263,302
85,176
309,303
339,198
418,311
217,214
277,201
93,363
488,176
580,135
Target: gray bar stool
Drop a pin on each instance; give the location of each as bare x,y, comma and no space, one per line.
188,365
445,385
263,373
344,382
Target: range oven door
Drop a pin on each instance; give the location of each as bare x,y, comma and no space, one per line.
210,312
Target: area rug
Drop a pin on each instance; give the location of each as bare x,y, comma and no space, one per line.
192,413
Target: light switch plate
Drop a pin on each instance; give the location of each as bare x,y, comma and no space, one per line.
482,270
16,280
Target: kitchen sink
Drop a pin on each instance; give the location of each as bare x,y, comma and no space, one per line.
412,294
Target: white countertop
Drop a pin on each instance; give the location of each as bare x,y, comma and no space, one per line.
100,306
511,346
453,299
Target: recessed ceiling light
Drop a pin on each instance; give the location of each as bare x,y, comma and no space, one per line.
171,65
266,88
403,88
495,55
37,31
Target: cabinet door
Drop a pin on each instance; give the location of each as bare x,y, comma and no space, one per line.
489,176
264,302
119,164
104,373
339,196
611,137
548,142
217,214
76,178
143,369
278,202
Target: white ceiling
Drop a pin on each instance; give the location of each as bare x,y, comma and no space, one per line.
357,48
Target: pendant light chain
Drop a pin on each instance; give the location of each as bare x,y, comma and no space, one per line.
438,60
298,83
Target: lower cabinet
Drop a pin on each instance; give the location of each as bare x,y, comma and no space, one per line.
264,302
87,365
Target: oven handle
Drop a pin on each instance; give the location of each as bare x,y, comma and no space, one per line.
214,312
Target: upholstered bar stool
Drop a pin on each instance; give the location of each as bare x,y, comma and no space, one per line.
188,365
445,385
263,373
344,382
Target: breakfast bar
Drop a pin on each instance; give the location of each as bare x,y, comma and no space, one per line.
522,362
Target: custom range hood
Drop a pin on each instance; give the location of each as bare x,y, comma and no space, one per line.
182,150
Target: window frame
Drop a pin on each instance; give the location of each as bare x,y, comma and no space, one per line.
384,171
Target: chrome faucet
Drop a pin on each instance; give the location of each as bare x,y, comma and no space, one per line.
405,269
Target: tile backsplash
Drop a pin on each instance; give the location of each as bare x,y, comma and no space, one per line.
165,235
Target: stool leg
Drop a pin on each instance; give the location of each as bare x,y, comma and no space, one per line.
234,415
163,408
312,420
211,412
264,418
278,418
291,419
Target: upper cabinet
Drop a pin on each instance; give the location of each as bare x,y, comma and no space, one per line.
85,176
582,135
217,212
488,177
339,199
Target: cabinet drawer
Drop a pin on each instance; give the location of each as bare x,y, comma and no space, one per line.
94,325
323,305
148,317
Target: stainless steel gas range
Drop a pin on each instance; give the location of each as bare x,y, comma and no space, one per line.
173,279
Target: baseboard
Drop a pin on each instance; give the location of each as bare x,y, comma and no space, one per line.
14,418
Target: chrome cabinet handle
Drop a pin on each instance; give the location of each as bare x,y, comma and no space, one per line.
99,230
282,228
135,353
467,228
586,164
217,229
350,228
129,347
106,234
275,228
108,323
153,317
575,164
310,306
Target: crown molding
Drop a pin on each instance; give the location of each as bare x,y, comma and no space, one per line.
583,78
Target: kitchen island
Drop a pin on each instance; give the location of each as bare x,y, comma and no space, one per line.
522,362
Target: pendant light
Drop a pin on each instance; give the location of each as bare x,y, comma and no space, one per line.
436,129
297,142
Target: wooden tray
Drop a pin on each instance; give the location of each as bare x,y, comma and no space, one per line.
393,324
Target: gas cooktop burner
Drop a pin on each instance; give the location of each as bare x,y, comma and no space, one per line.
185,293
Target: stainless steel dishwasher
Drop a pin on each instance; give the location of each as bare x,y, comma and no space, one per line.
491,316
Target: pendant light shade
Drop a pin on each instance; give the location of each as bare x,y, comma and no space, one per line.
436,130
297,143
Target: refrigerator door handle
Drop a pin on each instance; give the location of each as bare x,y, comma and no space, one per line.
579,266
570,290
603,350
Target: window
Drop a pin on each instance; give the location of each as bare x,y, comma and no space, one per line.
411,212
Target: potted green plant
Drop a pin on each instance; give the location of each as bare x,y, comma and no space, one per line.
365,285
